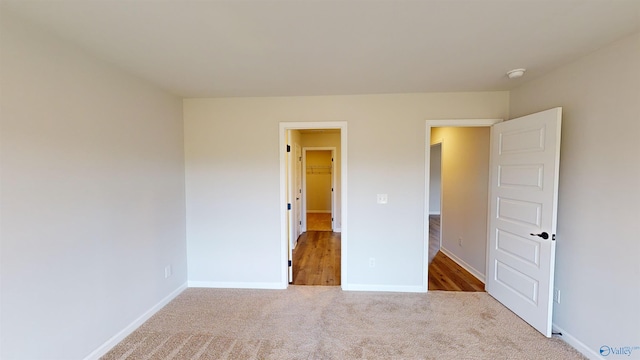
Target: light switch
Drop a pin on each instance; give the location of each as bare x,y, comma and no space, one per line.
382,198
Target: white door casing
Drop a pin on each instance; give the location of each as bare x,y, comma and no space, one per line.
333,186
523,193
283,128
290,193
429,125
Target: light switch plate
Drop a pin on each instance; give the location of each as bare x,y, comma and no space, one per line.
382,198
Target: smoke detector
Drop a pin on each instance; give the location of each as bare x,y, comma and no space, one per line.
515,73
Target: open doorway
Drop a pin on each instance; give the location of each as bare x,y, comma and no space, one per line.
314,183
318,185
457,224
520,212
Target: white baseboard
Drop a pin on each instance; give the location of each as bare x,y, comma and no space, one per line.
117,338
576,344
384,288
318,211
480,276
236,285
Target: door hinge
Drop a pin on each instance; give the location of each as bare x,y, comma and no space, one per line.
553,236
300,222
289,206
331,189
288,148
289,262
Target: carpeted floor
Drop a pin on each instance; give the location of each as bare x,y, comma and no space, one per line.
306,322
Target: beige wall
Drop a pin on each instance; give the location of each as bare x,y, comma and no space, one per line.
92,197
318,176
598,247
230,171
465,182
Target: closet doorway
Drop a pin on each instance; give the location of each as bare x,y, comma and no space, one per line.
318,184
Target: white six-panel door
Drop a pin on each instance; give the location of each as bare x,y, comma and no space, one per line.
525,154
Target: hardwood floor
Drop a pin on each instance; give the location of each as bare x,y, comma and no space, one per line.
316,259
318,222
444,273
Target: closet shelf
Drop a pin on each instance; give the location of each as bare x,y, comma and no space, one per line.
319,169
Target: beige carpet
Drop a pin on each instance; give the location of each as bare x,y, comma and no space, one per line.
307,322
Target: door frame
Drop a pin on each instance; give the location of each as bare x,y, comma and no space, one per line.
427,168
284,243
304,182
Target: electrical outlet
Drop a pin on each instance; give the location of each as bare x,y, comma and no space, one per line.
372,262
556,296
460,241
382,199
167,271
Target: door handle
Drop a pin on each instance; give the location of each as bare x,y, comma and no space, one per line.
543,235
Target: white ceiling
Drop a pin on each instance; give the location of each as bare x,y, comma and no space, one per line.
275,48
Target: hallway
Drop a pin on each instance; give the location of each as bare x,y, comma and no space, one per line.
316,259
444,273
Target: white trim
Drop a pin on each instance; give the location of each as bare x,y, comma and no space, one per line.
283,126
434,212
117,338
236,285
477,274
576,344
462,123
384,288
337,230
292,226
427,163
318,211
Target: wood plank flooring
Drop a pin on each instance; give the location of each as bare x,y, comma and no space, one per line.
318,222
444,273
316,259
